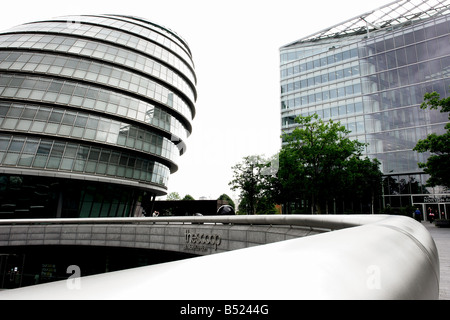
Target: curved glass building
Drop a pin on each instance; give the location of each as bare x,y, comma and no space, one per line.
371,73
94,112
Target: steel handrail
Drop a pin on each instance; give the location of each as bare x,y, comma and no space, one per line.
367,257
332,222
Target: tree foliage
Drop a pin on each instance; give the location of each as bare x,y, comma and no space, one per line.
173,196
319,166
320,163
226,197
438,164
251,179
361,180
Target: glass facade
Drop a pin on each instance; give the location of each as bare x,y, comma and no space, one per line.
371,75
94,113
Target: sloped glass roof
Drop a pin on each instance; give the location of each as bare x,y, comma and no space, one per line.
393,14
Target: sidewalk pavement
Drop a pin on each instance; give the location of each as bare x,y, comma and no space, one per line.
441,237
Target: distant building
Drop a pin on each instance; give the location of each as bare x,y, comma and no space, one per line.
94,112
371,73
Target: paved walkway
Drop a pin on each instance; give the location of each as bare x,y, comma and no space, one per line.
441,237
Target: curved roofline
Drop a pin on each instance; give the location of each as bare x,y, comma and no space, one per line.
173,33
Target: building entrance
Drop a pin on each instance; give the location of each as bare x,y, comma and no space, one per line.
433,211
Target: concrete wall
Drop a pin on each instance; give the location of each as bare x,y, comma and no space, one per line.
199,239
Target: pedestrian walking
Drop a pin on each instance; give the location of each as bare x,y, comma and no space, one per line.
431,217
429,212
417,214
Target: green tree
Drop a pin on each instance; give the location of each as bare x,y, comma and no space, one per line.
227,198
438,164
251,179
188,197
173,196
361,181
264,206
313,161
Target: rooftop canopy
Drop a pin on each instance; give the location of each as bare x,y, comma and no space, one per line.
394,14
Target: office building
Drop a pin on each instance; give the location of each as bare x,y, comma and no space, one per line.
371,73
94,112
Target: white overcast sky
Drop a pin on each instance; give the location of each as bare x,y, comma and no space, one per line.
235,46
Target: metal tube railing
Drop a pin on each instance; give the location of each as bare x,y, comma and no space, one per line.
367,257
332,222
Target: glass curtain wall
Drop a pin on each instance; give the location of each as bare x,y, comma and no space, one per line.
100,105
374,85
